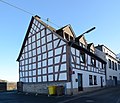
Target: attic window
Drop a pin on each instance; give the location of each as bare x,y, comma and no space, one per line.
67,36
71,38
81,44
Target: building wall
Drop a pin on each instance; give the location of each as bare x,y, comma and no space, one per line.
112,69
85,75
86,68
44,56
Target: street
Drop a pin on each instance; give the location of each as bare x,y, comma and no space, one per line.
111,95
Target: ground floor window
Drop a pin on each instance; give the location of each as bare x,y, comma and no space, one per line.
90,80
110,77
95,80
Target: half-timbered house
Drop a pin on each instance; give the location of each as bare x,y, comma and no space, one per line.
55,57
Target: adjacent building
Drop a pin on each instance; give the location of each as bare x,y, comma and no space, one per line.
57,57
112,67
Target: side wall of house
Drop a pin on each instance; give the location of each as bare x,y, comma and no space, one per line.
43,60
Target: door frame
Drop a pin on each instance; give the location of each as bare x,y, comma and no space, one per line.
80,88
101,80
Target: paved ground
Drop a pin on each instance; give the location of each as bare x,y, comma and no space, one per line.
111,95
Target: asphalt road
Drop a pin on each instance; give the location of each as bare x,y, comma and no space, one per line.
107,95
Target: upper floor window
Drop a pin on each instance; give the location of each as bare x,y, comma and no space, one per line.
82,45
116,66
103,66
112,65
109,63
93,61
82,57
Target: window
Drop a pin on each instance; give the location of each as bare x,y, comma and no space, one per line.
95,80
109,62
90,80
103,66
67,36
116,66
119,75
112,65
110,77
93,62
82,57
71,38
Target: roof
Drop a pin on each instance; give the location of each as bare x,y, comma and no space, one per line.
27,33
75,45
28,30
106,48
89,45
70,27
43,23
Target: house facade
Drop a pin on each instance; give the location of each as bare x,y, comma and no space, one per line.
55,57
112,67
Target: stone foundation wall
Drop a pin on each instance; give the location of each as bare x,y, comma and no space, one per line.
41,88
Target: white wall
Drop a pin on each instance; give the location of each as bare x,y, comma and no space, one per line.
85,79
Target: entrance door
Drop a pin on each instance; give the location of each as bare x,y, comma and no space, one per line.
115,80
101,81
80,85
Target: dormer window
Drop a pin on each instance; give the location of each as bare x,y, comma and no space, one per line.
66,36
71,38
82,57
93,61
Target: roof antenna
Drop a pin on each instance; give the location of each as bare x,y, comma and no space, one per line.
47,21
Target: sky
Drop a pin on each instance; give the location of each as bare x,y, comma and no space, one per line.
80,14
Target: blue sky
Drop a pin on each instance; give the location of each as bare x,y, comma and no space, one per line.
81,14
